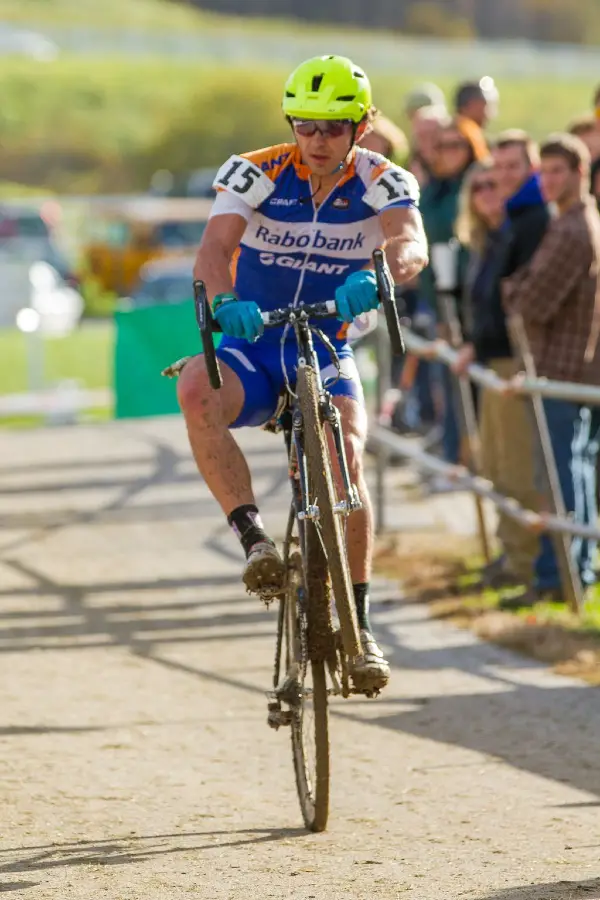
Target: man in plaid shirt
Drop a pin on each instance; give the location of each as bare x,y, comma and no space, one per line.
558,296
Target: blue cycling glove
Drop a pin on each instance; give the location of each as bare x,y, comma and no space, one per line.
357,295
239,319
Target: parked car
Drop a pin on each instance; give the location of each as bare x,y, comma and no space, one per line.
164,281
127,233
30,233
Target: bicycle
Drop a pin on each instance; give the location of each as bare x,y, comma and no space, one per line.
312,655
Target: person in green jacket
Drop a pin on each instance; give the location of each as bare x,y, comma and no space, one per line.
455,153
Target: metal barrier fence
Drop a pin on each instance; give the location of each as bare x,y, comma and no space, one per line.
544,387
556,522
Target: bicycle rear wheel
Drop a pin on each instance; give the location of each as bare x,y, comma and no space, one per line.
309,712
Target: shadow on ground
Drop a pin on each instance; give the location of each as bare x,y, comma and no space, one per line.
547,730
133,849
557,890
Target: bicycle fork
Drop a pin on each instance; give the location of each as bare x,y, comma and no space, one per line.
351,501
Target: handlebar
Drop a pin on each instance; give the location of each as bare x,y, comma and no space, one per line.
277,317
385,289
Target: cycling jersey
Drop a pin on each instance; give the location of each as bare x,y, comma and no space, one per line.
293,252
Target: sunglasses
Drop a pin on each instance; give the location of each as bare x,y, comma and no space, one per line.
327,127
478,186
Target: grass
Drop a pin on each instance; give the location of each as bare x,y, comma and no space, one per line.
84,356
89,416
11,191
138,14
146,15
443,573
547,613
88,125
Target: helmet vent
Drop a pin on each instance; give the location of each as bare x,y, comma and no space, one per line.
316,82
348,98
358,74
289,94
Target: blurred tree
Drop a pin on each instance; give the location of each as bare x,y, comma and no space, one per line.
434,19
543,20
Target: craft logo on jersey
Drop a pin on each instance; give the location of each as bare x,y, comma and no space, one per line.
341,203
316,241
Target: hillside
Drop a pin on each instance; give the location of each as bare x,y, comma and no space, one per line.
138,15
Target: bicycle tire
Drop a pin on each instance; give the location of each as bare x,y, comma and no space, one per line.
321,490
312,774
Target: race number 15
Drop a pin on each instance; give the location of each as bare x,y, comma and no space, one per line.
395,185
240,177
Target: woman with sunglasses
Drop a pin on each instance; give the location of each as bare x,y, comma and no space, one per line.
454,154
479,228
298,223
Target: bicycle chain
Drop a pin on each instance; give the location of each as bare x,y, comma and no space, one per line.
303,624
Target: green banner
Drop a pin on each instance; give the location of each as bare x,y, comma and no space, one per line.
147,341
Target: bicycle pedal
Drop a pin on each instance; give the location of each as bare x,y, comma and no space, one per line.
372,695
267,594
290,691
278,717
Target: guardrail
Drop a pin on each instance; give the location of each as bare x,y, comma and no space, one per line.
391,442
557,523
544,387
64,403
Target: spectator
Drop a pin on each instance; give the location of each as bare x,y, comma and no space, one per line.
586,128
595,179
423,95
475,104
558,296
439,208
597,105
415,400
516,161
386,138
505,427
508,451
426,126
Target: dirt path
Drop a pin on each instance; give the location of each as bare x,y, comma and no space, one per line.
134,757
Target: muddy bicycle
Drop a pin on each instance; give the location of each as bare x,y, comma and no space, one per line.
318,642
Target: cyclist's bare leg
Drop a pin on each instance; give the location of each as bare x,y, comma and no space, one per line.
208,415
374,672
222,464
360,524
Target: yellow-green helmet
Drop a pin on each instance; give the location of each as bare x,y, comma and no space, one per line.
327,87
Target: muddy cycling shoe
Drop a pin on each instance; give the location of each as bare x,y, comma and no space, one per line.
264,573
371,672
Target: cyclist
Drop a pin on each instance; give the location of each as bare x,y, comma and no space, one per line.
298,223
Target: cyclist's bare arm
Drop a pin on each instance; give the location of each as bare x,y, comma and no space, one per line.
219,242
405,242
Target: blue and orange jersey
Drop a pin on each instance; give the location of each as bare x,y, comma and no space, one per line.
293,252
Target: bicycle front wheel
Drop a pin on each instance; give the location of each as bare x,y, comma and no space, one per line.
309,712
322,493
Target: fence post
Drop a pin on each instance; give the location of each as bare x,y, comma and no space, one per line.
569,576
